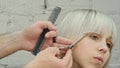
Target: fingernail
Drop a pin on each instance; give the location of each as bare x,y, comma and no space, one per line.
47,36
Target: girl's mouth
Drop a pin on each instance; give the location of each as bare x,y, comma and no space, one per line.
99,60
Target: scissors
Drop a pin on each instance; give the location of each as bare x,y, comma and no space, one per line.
72,45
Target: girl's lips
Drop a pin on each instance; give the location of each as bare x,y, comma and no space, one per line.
99,60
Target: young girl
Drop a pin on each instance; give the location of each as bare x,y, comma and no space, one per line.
94,33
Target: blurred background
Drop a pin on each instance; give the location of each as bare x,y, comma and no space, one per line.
17,14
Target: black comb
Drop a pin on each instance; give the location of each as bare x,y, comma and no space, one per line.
52,18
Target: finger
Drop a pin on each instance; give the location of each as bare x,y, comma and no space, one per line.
45,24
67,57
51,34
63,48
53,51
49,41
44,46
60,45
70,63
49,52
62,40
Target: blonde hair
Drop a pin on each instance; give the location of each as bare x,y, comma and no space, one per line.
79,22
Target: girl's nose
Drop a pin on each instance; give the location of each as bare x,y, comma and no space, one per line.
103,49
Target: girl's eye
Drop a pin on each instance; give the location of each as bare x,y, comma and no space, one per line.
108,45
94,37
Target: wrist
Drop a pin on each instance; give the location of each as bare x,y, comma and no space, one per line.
9,44
33,64
25,41
14,40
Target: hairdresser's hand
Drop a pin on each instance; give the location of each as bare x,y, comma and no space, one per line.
31,34
47,59
27,39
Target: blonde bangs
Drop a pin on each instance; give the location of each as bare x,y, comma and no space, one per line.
80,22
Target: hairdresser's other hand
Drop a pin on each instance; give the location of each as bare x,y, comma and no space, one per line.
31,34
47,59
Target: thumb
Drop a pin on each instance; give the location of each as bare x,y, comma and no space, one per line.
52,51
68,57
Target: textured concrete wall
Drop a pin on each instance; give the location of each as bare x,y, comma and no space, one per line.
17,14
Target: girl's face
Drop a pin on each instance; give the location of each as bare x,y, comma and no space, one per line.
92,51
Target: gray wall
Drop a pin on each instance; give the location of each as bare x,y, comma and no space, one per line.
17,14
